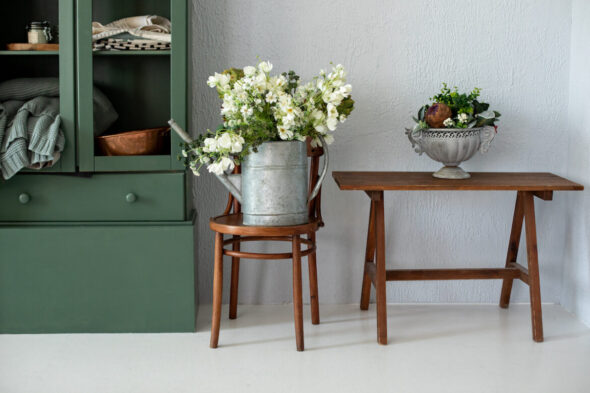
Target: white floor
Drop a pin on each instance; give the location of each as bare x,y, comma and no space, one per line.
433,348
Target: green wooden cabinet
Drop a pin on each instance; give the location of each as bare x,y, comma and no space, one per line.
99,243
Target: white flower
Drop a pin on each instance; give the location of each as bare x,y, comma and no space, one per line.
342,118
215,168
300,138
329,139
321,128
224,80
332,111
265,66
332,123
228,108
237,144
463,117
317,114
276,82
449,122
346,90
246,111
336,98
288,119
210,145
221,80
184,153
226,163
487,114
212,81
249,70
271,97
321,85
284,133
224,141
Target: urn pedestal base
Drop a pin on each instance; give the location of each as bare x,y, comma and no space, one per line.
451,172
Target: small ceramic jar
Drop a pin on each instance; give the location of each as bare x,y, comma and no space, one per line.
39,33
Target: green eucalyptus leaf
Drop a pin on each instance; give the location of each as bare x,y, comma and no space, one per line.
422,112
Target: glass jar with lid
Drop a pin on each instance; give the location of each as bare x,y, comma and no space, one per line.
39,32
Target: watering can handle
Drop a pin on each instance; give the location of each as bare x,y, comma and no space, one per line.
318,185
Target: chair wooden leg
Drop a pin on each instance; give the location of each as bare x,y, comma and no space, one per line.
297,289
217,289
513,245
235,278
380,276
369,257
533,266
313,284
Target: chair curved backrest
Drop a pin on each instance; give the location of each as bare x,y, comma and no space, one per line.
314,207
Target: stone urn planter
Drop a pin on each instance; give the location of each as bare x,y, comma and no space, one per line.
451,146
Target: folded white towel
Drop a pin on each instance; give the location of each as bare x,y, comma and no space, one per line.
152,27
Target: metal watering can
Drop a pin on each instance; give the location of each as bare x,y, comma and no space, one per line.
273,185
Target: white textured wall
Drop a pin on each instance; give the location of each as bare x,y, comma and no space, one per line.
397,54
576,282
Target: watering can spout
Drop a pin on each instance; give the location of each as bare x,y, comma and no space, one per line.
233,182
181,133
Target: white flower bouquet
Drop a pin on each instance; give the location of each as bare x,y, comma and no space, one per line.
258,107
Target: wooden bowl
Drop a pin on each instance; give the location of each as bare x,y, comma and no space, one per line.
134,143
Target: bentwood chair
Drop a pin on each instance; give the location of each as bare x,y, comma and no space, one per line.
230,223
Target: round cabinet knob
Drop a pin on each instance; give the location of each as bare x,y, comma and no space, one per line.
131,197
24,198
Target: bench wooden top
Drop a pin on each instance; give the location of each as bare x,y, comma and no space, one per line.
421,181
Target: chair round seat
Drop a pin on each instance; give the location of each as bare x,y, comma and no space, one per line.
233,224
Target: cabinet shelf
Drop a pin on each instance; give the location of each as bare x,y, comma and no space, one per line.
29,52
132,53
131,163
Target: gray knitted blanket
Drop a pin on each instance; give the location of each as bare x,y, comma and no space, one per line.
30,125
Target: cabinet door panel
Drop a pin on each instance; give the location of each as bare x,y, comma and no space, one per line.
33,64
147,88
97,278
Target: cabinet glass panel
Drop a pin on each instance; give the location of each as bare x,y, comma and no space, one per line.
139,83
20,60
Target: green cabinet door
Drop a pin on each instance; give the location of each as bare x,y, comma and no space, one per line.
30,64
147,88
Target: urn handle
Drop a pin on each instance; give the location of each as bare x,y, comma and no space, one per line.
415,137
486,136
